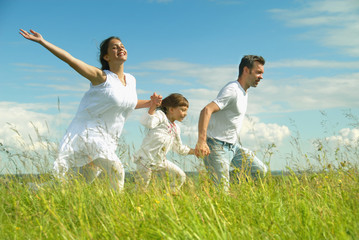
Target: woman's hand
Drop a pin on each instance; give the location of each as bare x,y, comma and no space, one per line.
33,36
94,74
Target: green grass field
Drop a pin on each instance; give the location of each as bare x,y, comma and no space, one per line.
321,205
320,200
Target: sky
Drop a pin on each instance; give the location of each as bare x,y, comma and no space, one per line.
309,93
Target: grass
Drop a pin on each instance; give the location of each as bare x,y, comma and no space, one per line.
320,201
320,205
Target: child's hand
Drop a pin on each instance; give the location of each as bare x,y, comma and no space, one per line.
191,151
156,100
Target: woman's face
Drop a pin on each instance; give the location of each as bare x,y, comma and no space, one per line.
116,51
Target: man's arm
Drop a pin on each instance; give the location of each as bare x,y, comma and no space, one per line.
202,148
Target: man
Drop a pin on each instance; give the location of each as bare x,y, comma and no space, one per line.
221,120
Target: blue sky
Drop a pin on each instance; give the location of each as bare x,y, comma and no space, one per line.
310,83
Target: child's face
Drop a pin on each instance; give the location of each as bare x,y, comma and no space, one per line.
178,113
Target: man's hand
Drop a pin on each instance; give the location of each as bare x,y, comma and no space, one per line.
201,150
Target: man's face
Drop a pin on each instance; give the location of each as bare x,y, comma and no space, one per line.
255,74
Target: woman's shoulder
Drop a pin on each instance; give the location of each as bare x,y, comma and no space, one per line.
111,77
130,77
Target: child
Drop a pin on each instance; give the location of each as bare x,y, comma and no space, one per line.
163,136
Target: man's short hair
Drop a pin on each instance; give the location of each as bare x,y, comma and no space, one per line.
248,61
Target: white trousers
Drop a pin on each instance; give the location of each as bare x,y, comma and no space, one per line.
144,172
113,170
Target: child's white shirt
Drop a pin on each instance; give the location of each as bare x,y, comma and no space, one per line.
161,137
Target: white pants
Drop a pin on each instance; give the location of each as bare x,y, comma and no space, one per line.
144,172
114,171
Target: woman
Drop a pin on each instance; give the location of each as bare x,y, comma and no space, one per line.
90,142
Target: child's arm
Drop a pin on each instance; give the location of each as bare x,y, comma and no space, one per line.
152,109
179,147
191,151
156,101
150,119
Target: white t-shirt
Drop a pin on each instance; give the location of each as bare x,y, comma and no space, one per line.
226,124
97,126
161,137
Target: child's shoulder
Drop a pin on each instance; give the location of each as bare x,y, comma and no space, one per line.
160,113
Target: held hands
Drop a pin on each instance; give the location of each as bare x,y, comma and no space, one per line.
33,36
156,100
201,150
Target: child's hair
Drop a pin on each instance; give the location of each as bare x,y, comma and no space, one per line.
104,50
173,100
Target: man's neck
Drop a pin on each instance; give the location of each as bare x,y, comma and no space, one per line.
242,82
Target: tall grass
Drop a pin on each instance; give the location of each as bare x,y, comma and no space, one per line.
308,206
321,202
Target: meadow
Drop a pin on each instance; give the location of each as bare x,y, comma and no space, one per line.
316,202
322,205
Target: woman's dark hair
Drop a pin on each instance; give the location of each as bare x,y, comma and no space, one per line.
248,61
173,100
104,51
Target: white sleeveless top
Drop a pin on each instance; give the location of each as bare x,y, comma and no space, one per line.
97,126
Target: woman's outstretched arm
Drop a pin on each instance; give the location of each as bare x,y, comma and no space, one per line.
93,74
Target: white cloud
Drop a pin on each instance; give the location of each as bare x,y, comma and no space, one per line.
212,77
168,65
346,137
22,123
33,66
198,99
79,87
312,63
257,134
28,67
172,81
272,95
334,23
300,94
142,91
254,134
